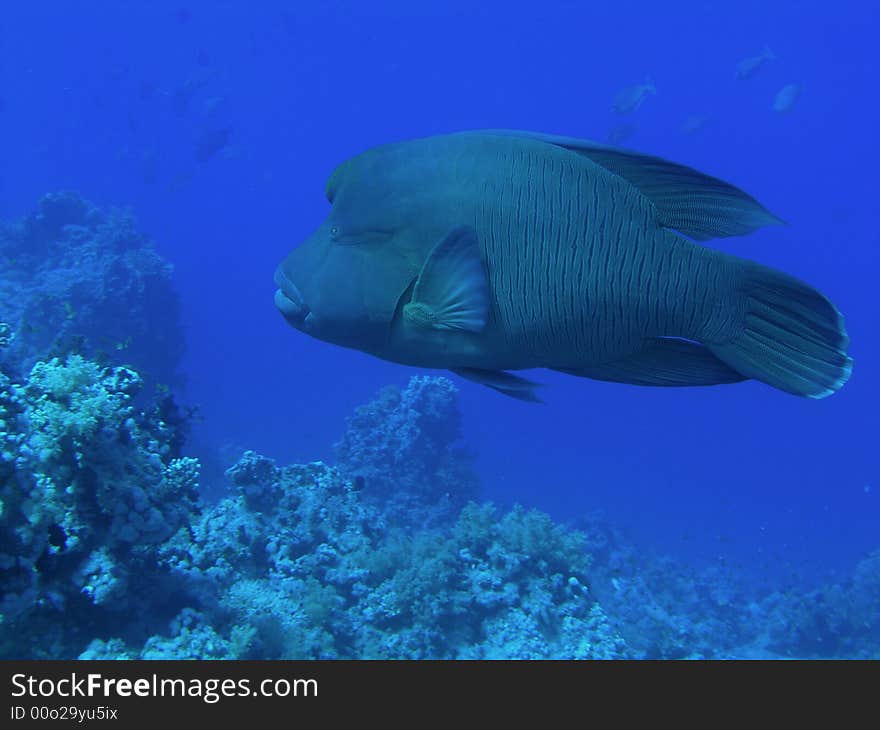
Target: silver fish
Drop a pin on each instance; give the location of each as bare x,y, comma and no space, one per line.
748,67
631,98
695,123
787,97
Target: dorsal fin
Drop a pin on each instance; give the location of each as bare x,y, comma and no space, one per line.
698,205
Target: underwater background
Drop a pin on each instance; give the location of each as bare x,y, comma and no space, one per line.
184,475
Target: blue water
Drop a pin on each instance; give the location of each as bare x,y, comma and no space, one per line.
95,97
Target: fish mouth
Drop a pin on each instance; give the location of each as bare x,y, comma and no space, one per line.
289,301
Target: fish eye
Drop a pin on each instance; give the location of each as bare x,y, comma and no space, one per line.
349,236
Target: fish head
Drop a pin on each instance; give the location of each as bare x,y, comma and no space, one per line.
344,284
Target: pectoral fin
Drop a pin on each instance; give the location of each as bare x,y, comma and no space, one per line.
452,291
511,385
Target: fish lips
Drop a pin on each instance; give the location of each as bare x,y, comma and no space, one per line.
289,301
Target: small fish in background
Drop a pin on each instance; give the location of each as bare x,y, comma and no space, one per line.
117,72
147,90
787,97
212,104
150,166
178,182
212,141
133,121
289,22
182,96
695,123
257,44
620,133
748,67
630,99
122,154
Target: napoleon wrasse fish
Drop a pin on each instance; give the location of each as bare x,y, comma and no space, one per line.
491,251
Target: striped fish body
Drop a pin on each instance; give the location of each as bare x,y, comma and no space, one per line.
482,252
580,271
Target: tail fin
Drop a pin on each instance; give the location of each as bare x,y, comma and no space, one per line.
791,337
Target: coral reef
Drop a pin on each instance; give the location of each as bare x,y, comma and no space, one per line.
107,550
838,620
88,487
404,448
76,278
300,564
663,609
6,334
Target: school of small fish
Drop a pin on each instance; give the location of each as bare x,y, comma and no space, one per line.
631,98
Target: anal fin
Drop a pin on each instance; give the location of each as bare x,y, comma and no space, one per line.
664,362
504,382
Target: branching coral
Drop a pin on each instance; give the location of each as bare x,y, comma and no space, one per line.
302,565
87,486
80,279
405,448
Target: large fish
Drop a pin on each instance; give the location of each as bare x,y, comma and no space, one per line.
483,252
